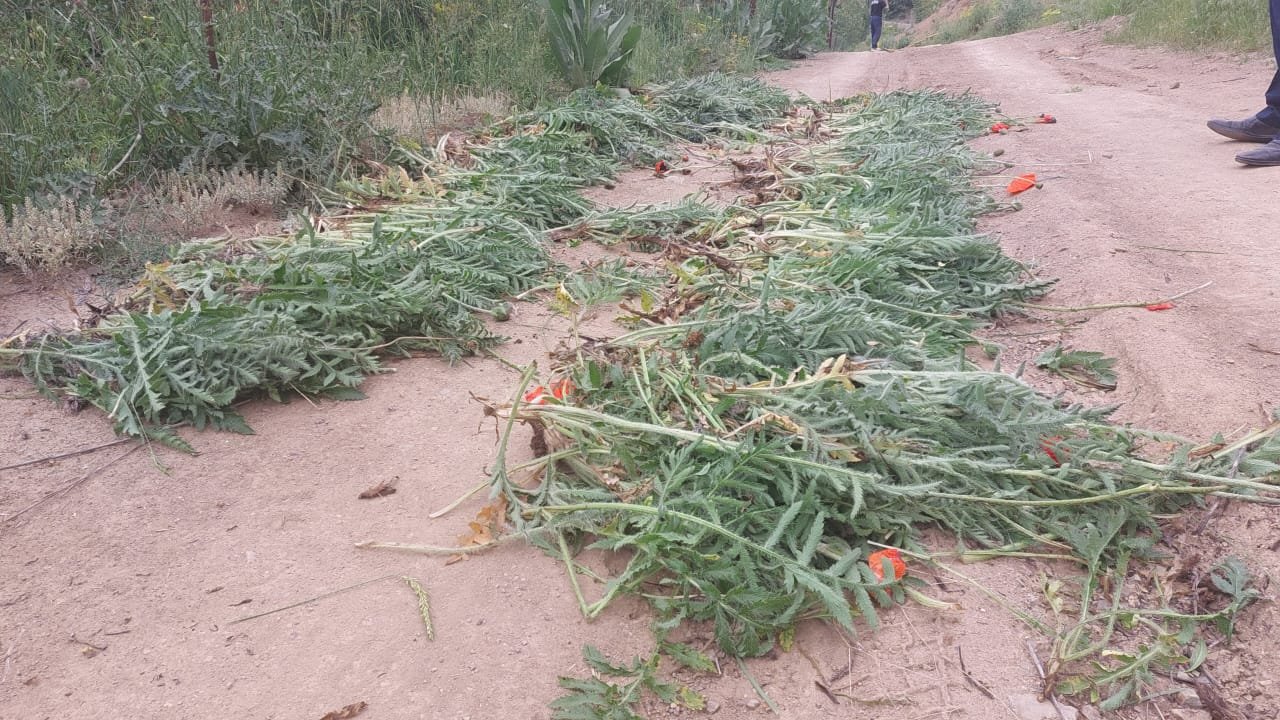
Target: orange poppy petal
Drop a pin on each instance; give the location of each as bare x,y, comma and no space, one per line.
1022,183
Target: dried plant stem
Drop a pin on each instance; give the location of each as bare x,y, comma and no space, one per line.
1112,306
567,557
75,483
755,685
65,455
439,550
1147,489
322,596
424,606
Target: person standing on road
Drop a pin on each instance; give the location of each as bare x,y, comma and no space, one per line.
1265,126
877,20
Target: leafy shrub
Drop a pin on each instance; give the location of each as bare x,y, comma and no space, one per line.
682,39
144,97
96,96
1018,15
925,8
797,26
591,42
50,235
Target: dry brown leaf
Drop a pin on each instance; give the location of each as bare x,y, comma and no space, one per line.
382,489
487,525
349,711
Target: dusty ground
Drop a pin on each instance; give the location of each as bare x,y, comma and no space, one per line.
154,558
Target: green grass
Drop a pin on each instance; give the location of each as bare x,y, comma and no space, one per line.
1218,24
1240,25
96,96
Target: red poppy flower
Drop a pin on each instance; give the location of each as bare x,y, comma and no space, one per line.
1160,306
562,389
661,168
1046,119
876,561
999,126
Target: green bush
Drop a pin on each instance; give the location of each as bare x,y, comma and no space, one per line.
925,8
1017,15
1227,24
798,26
592,43
114,92
680,39
1222,24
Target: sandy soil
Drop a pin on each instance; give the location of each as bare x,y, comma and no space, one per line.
119,597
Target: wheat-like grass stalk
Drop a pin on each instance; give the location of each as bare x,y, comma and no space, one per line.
424,606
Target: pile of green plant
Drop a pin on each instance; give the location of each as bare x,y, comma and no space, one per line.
800,396
312,314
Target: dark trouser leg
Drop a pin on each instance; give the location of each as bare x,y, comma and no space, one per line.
877,24
1271,115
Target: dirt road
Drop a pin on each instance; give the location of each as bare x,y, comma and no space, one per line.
149,569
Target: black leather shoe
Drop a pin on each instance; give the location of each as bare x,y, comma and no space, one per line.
1250,130
1266,156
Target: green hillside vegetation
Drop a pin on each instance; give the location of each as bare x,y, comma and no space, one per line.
1240,25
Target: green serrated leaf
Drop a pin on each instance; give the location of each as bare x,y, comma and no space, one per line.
596,660
688,656
345,394
1119,697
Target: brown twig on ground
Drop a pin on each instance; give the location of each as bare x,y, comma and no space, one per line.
972,680
1213,700
1035,658
322,596
78,641
78,481
819,681
436,549
1181,250
65,455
